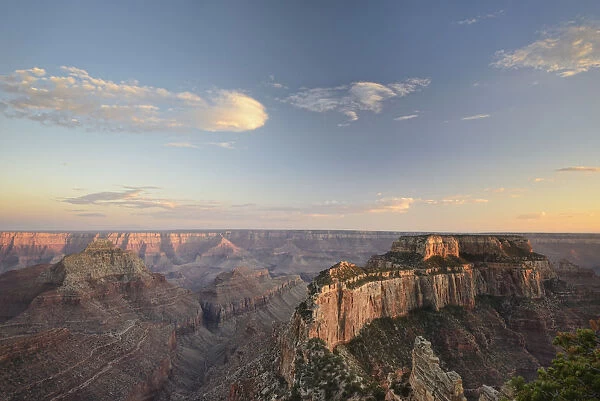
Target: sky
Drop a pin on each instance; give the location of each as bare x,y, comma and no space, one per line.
468,116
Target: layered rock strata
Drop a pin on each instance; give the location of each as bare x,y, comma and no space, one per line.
174,251
341,309
511,304
428,381
242,290
96,325
427,246
420,272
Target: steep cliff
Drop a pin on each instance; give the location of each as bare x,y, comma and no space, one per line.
428,381
341,309
240,310
427,246
96,325
420,272
242,290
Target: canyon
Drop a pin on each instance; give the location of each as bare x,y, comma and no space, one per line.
243,290
489,304
96,325
228,315
194,259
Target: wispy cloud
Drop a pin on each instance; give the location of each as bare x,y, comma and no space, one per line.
180,145
75,98
567,51
580,169
409,117
478,18
354,98
130,197
151,206
455,200
274,84
531,216
476,117
392,205
225,145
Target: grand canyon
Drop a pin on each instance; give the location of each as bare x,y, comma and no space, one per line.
299,200
257,315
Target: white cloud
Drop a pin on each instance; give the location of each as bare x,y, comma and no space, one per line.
225,145
580,169
351,99
473,20
180,145
75,98
409,117
476,117
567,51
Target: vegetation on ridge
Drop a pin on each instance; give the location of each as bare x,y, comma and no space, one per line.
323,374
574,374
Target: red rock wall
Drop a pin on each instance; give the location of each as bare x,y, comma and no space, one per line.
340,312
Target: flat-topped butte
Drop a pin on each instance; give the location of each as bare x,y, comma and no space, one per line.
420,271
433,254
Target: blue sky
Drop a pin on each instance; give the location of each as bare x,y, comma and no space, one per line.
421,115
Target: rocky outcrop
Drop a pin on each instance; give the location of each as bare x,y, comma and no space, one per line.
509,313
420,272
428,381
487,393
490,247
242,290
96,325
100,260
341,309
427,246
